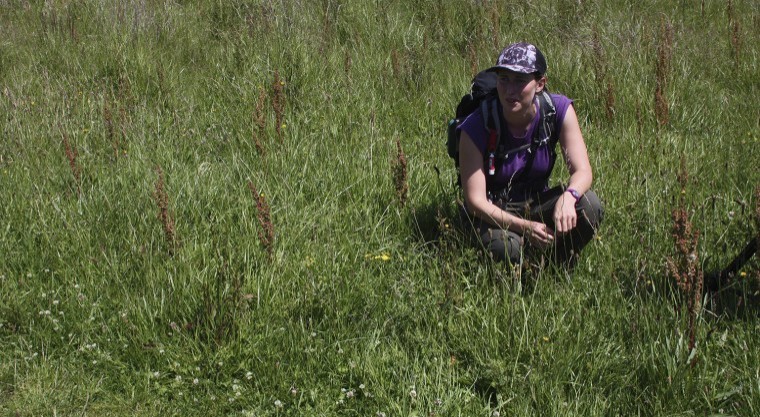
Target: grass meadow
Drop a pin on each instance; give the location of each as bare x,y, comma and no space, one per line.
242,207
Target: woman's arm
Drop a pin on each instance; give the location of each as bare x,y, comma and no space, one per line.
474,189
576,156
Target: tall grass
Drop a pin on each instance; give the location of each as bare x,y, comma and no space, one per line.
360,305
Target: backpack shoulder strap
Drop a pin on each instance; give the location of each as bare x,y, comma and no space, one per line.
492,124
547,131
545,134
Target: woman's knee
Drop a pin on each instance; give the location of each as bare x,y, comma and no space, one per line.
591,208
503,245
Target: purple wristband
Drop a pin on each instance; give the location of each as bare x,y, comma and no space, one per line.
574,193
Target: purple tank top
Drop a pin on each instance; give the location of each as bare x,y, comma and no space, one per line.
511,167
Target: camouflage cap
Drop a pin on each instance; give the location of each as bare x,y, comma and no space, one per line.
521,57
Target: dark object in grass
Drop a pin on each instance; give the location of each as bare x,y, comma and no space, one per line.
715,280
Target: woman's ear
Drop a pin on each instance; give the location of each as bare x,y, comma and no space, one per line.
540,84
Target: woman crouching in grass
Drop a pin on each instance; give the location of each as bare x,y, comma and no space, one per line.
505,175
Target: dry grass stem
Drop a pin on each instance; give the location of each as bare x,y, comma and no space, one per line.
260,122
266,231
609,100
164,216
736,44
278,104
685,266
347,62
400,174
600,72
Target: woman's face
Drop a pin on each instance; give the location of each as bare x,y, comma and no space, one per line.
516,90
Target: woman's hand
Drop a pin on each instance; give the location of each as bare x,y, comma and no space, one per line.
565,217
538,234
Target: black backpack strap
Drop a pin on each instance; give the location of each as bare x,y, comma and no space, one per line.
492,124
545,134
546,128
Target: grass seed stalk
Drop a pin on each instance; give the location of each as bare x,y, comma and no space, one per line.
685,267
263,214
400,174
609,100
278,104
260,122
347,61
736,44
164,215
601,74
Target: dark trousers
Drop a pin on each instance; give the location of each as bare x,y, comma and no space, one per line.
504,245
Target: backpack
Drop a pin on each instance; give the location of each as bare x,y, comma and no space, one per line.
483,95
